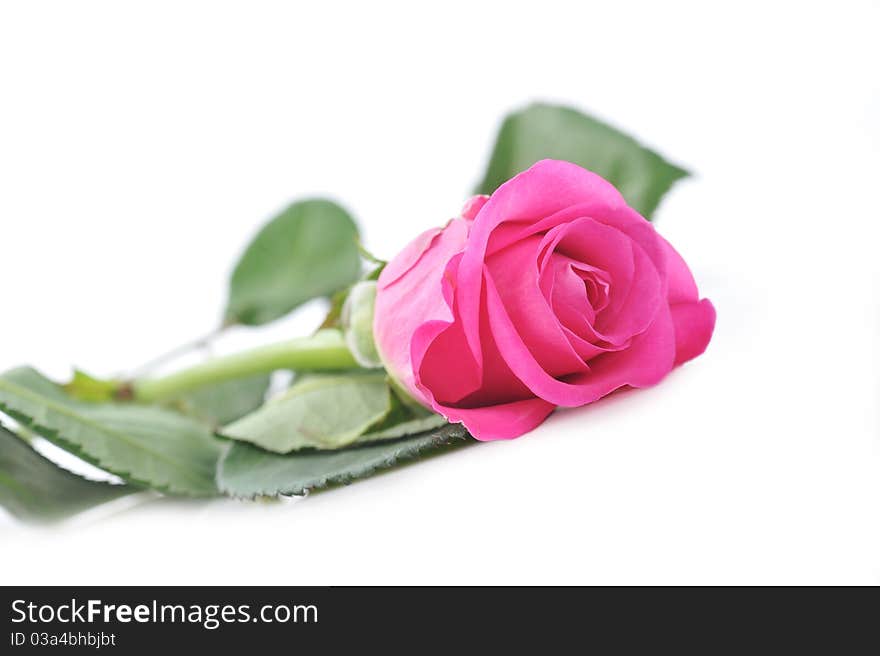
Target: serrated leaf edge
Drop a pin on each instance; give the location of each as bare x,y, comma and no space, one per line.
441,440
123,488
54,436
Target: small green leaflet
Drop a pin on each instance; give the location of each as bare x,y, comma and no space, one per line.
86,387
146,445
308,251
402,419
551,132
319,411
34,488
411,426
216,404
247,471
224,402
357,324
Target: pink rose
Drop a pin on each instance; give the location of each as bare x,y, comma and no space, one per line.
551,292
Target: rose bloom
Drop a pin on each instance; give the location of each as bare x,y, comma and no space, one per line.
551,292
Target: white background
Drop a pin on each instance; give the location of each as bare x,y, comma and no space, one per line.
142,144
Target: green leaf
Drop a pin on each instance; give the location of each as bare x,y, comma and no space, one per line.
145,445
34,488
246,471
403,419
319,411
405,428
216,404
307,251
224,402
552,132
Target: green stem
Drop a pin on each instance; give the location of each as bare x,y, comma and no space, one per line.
326,350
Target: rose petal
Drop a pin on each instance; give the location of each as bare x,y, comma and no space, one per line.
500,422
413,300
575,314
646,361
407,258
694,324
447,375
442,365
473,206
681,285
515,272
546,188
510,232
619,322
694,319
594,244
565,289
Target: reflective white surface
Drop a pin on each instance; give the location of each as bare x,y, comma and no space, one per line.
140,150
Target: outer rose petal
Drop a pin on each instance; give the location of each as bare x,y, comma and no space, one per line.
487,420
500,422
682,288
694,324
473,206
408,257
414,250
694,319
404,303
443,370
447,375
